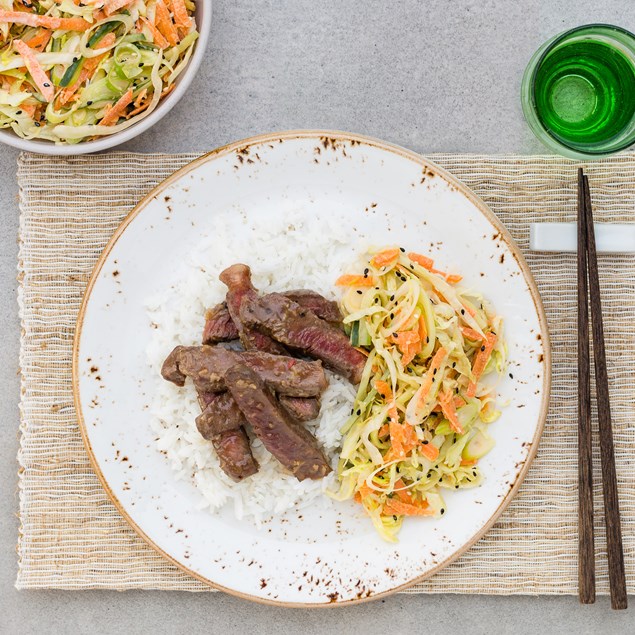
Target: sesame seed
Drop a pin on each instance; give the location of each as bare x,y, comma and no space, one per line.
392,297
46,85
462,311
359,412
474,472
392,316
366,271
511,376
453,364
37,123
402,250
483,347
442,511
425,442
427,339
434,372
89,103
360,292
456,487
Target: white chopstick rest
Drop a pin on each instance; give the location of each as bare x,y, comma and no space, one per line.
611,238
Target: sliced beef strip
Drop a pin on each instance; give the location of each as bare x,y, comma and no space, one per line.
323,308
208,365
300,329
240,289
219,326
237,278
289,442
222,423
301,409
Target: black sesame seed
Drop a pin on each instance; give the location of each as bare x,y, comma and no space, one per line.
427,340
483,348
366,271
89,103
434,372
442,511
511,376
37,123
359,412
402,250
376,300
462,311
18,112
360,292
425,442
395,334
392,316
140,64
456,487
392,297
474,472
453,364
412,266
46,85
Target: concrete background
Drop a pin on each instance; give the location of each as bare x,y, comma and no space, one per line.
430,75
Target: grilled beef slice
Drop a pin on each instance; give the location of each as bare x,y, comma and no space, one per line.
221,422
288,441
323,308
208,365
237,278
219,326
300,329
301,408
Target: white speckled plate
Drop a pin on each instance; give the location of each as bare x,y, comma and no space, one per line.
329,555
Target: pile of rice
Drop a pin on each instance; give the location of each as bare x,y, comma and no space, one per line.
293,253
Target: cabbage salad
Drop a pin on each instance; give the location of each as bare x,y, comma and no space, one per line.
420,417
72,70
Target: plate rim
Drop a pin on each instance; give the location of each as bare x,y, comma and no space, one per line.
319,134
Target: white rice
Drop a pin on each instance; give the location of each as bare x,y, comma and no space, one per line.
298,252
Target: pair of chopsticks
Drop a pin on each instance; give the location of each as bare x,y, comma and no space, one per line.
587,264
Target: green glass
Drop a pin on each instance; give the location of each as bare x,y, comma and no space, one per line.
578,91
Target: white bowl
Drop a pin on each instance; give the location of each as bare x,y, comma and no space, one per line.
203,24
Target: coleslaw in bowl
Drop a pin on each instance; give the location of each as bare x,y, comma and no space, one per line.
79,76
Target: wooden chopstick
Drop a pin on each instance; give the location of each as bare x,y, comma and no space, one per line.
586,545
617,577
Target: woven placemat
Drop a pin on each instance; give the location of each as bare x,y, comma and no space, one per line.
71,536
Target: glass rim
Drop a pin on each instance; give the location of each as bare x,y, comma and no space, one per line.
532,82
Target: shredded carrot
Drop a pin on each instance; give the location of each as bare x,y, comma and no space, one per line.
364,490
449,411
385,258
40,40
435,364
429,450
458,401
41,79
409,343
112,116
115,5
383,431
157,37
403,494
363,351
181,18
46,21
470,310
471,334
348,280
424,261
383,388
453,278
423,329
165,25
465,462
399,508
480,362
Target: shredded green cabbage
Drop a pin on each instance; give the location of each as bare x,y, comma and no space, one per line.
420,418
